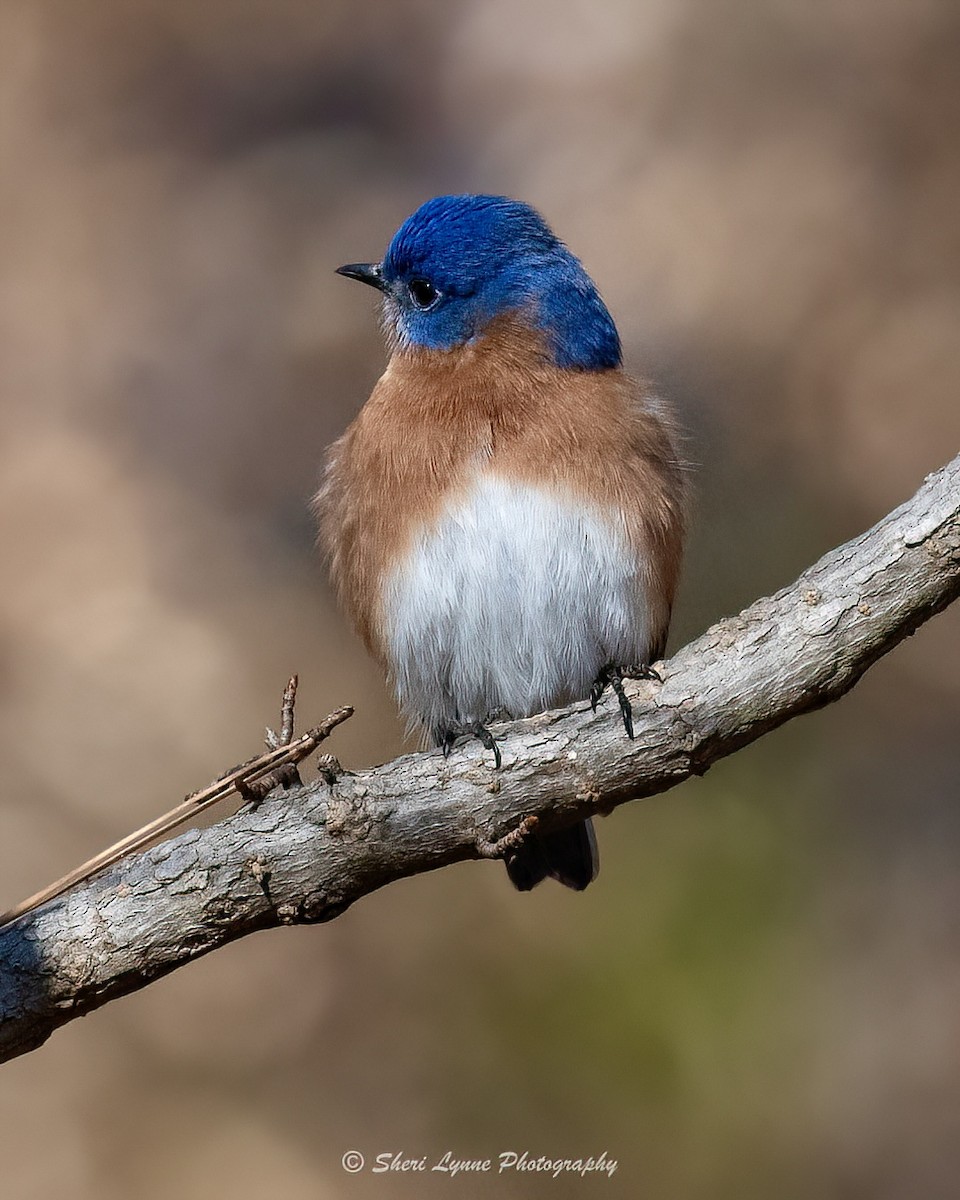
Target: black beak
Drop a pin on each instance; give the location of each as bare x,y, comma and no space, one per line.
366,272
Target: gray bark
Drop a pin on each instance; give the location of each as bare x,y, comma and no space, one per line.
305,856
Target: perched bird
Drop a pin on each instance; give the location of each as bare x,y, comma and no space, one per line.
504,518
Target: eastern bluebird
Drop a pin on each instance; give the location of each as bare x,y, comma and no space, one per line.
504,518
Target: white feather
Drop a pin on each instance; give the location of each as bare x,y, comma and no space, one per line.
514,600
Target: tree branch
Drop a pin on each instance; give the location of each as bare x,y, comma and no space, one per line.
306,855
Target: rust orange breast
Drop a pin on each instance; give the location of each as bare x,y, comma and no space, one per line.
436,419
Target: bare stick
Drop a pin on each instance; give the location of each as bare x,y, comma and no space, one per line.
308,858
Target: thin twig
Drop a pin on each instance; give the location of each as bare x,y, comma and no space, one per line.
241,780
287,707
509,842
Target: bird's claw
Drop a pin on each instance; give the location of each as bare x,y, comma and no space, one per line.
641,672
613,677
448,737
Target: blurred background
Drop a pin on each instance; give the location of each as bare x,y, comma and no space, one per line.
761,995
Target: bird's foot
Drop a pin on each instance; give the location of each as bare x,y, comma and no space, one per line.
450,734
613,677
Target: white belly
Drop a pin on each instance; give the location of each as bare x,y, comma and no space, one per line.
514,600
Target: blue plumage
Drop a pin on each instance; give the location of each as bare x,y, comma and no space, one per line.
460,261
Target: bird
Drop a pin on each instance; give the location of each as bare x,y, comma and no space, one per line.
504,519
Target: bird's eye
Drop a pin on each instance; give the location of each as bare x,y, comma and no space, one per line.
423,293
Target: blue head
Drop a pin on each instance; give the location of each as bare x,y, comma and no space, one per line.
461,261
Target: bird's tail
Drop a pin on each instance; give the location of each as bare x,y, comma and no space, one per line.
568,855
